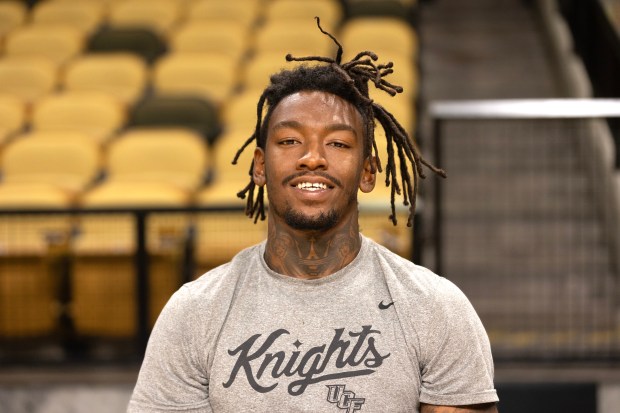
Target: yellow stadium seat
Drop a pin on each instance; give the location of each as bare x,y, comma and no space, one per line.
379,34
297,37
227,38
122,75
64,161
244,12
158,15
27,78
12,117
13,14
239,114
55,42
96,114
163,166
329,12
259,69
85,16
197,74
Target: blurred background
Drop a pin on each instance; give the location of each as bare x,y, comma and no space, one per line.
119,120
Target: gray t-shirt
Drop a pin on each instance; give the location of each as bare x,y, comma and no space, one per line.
382,334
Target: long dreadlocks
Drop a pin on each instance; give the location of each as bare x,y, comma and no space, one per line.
349,81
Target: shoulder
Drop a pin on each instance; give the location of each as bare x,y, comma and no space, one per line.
402,274
213,291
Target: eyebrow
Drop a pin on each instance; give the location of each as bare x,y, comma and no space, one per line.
332,127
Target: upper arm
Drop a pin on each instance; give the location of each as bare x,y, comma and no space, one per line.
476,408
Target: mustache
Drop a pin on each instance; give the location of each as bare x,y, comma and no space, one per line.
324,175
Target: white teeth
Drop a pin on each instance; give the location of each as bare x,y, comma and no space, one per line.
311,186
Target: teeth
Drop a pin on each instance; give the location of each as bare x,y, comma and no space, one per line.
311,186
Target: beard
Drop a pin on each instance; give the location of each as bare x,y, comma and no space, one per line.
299,221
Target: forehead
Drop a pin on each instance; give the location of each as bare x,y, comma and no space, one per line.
317,107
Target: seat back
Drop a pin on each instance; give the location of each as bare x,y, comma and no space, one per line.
85,16
299,38
195,74
158,15
193,113
98,115
122,75
227,38
143,42
175,156
55,42
67,160
27,78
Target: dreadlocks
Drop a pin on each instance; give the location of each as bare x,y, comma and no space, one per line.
350,82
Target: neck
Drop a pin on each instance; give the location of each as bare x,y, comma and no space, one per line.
311,255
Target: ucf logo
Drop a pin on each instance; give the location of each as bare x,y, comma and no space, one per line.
344,399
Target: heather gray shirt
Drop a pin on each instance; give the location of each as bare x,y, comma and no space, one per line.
382,334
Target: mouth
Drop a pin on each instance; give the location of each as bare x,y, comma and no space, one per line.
312,186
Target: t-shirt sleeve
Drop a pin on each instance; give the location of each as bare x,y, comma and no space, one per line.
173,373
456,363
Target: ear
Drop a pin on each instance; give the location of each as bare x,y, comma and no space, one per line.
258,172
369,174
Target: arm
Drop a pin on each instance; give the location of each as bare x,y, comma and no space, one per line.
477,408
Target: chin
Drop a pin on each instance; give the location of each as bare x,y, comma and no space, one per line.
321,222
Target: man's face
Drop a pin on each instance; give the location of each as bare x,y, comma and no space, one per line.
313,161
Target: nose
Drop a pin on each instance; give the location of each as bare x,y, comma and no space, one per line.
313,157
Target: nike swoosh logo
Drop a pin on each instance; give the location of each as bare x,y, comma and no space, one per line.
385,306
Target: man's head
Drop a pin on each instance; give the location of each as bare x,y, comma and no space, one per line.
346,83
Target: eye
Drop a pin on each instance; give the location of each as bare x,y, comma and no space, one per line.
288,141
339,144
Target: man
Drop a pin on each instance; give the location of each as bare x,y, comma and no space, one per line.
319,318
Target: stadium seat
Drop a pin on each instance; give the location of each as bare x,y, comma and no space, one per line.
13,14
12,117
85,16
158,15
197,74
96,114
151,167
379,34
143,42
385,8
122,75
259,69
65,162
27,78
55,42
228,38
329,11
190,112
244,12
299,38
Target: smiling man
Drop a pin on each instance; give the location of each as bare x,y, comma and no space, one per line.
319,318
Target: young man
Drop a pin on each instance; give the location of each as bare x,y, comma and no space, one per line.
319,318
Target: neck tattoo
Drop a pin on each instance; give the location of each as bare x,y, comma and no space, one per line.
311,256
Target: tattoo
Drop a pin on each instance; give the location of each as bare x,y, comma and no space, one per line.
477,408
314,255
